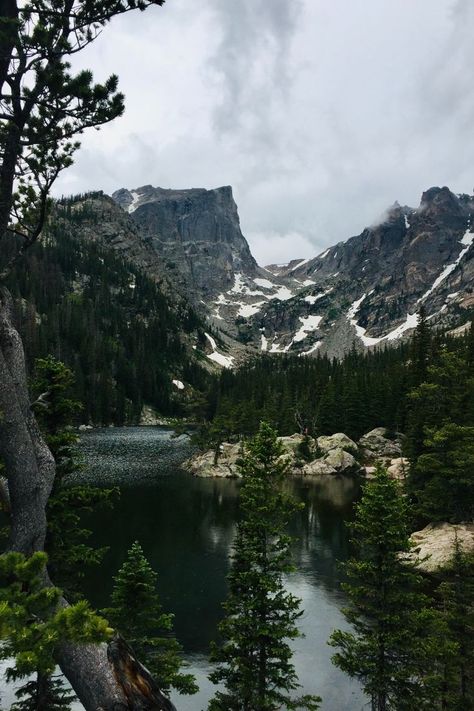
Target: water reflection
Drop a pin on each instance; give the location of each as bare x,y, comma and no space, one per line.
186,527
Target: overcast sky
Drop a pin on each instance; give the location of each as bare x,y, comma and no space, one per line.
320,114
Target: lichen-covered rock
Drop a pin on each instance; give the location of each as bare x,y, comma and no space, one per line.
433,546
202,465
337,441
376,444
317,468
342,461
369,472
292,444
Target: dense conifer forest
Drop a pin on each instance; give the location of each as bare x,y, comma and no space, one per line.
124,339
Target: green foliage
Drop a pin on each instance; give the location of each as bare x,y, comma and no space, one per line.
396,639
69,554
43,693
440,438
444,474
254,660
33,623
124,345
354,395
136,612
44,105
455,596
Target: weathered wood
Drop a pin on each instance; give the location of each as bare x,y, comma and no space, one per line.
104,677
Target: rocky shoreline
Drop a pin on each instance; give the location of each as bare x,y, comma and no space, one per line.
337,454
310,457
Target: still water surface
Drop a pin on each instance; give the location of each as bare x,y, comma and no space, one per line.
186,527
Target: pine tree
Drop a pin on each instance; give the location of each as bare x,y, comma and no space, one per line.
254,661
44,692
69,554
444,474
393,646
33,626
136,612
456,594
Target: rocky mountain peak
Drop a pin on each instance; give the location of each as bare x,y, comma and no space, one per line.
197,234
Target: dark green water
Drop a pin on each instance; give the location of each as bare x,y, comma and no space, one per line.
186,527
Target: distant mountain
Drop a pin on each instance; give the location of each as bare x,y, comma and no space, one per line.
368,291
361,293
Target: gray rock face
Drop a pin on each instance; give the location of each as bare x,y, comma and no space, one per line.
341,460
196,232
433,546
368,291
377,445
363,293
326,443
319,467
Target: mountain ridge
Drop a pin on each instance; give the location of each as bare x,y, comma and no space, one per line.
360,293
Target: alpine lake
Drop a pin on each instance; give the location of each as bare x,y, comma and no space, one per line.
186,526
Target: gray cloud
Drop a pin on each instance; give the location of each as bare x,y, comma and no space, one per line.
320,114
252,60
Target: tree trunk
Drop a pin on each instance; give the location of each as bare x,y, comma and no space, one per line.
104,677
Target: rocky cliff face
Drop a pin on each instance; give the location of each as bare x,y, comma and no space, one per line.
365,292
195,232
369,290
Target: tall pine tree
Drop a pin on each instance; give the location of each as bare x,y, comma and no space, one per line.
136,612
393,646
254,662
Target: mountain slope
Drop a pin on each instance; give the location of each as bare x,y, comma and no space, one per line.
129,341
368,291
363,292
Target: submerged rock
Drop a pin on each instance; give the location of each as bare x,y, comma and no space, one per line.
433,546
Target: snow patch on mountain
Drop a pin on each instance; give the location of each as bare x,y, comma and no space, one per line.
466,240
135,200
308,324
247,310
314,348
410,322
225,361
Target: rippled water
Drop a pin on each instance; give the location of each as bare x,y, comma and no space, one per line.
186,527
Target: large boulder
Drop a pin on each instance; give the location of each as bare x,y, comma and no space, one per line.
343,462
377,444
317,468
433,546
292,444
336,441
202,465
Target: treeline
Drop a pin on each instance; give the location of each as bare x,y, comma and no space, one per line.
122,336
322,395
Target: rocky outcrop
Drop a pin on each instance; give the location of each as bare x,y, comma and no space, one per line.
336,456
433,547
328,454
326,443
196,232
204,465
379,444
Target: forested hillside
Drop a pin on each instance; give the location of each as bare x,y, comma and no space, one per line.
123,337
353,395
